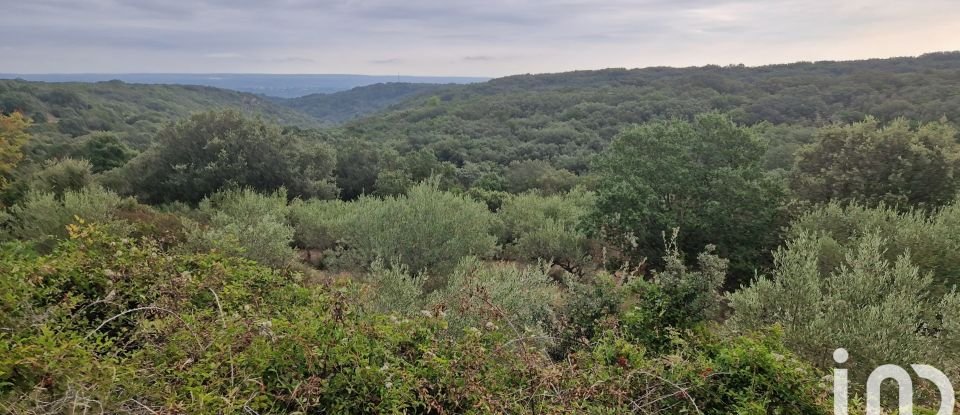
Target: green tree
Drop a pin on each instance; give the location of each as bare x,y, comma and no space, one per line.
882,311
359,164
521,176
13,135
60,176
896,165
104,151
211,151
537,227
703,177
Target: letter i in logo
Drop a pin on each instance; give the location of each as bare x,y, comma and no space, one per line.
840,382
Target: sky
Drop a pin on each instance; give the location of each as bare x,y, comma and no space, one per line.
457,37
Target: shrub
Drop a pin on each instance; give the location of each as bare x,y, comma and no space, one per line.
480,294
587,309
931,238
395,291
882,311
425,230
476,294
42,216
318,224
675,298
118,325
536,227
59,176
248,224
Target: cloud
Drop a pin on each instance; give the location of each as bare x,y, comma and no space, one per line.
223,55
293,59
387,61
466,37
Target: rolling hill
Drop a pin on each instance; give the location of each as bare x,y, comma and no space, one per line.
348,105
567,117
134,111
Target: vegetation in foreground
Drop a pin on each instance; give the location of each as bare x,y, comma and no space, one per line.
694,265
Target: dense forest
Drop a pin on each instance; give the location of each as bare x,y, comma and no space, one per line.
660,240
343,106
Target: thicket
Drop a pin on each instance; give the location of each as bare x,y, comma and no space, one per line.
124,326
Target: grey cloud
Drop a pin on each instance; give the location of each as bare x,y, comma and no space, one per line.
446,36
386,61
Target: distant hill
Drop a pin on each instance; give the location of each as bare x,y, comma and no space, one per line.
133,111
284,86
565,118
347,105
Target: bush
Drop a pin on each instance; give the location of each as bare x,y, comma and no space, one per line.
42,216
587,309
675,298
882,311
487,295
59,176
536,227
425,230
480,295
124,326
247,224
318,224
931,238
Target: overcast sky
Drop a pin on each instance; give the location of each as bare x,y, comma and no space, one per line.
458,37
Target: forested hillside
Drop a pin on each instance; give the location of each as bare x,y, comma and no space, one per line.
133,111
347,105
565,118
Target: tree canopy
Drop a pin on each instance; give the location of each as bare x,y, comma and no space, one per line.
703,177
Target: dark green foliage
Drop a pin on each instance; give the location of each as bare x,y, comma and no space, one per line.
60,176
344,106
565,118
211,151
521,176
104,151
359,164
674,299
703,177
898,165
